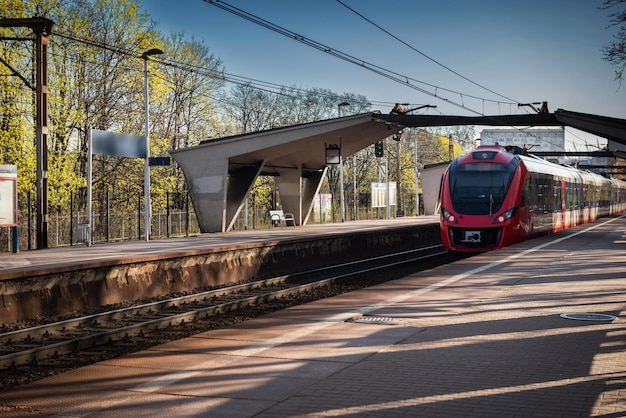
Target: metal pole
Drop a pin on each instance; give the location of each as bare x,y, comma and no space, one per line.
89,184
146,167
71,218
388,214
15,239
138,215
343,205
398,178
41,92
342,197
168,225
30,220
417,190
108,218
356,203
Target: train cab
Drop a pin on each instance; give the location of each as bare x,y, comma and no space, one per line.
480,200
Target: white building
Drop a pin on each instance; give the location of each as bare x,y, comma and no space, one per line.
534,139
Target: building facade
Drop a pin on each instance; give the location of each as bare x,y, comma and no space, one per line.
533,139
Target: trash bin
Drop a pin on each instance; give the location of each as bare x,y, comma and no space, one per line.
84,233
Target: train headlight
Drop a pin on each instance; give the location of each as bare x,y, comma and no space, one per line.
448,216
505,216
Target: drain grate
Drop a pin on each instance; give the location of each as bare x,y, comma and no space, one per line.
383,320
588,316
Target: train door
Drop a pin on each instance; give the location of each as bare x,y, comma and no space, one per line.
560,203
526,206
580,200
543,218
565,204
586,202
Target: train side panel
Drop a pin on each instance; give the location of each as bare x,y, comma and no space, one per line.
492,198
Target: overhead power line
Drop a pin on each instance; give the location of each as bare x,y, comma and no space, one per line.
392,75
266,86
421,53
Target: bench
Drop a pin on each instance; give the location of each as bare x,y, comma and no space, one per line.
278,218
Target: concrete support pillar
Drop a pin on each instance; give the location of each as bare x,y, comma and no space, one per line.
289,184
240,183
207,186
312,184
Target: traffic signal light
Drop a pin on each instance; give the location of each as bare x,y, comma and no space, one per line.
379,150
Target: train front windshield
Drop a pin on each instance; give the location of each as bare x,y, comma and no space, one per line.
480,188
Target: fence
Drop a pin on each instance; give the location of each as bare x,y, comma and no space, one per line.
69,226
65,226
64,230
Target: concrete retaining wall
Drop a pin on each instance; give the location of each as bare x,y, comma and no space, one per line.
88,288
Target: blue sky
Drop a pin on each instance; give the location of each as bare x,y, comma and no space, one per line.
527,51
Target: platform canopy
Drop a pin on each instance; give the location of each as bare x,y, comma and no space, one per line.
221,172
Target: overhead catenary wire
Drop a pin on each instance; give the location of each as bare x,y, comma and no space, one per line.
392,75
423,54
262,85
241,80
273,88
269,87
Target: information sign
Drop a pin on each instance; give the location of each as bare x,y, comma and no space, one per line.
8,195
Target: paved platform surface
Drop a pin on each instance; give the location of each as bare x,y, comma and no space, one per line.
59,259
482,337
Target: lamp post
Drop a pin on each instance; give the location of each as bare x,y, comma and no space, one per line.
343,205
339,106
146,168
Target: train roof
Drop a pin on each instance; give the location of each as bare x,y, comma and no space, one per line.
537,164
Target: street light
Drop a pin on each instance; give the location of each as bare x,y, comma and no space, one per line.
340,105
343,205
146,168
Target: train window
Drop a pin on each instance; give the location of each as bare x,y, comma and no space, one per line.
542,192
557,199
484,155
480,188
526,201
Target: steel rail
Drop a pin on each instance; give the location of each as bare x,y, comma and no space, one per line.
46,341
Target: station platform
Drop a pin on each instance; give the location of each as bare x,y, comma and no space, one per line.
58,281
61,259
533,330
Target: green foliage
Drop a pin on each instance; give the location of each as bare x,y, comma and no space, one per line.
96,81
96,78
17,135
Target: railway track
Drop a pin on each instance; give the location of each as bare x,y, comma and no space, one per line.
52,340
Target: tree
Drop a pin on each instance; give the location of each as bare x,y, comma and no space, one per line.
615,52
184,108
463,135
255,109
17,129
